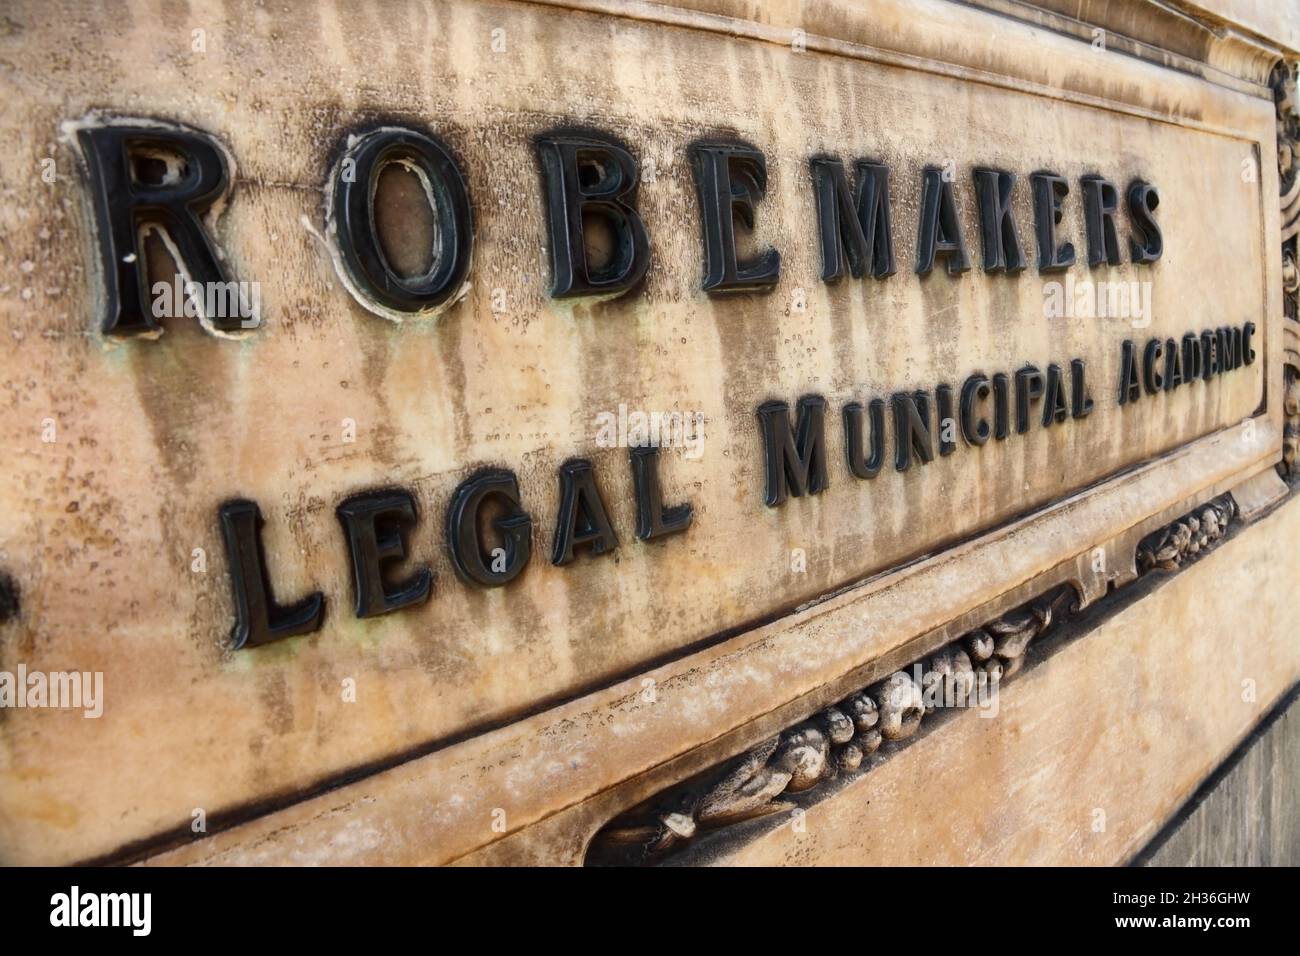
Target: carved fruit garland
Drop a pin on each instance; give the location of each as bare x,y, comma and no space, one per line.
1171,546
1288,167
838,739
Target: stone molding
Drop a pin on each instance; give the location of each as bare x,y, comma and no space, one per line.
842,739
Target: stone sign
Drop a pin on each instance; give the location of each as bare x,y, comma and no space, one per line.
521,407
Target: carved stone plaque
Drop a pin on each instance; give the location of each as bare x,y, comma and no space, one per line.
381,377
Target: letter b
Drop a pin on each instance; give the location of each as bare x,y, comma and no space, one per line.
586,177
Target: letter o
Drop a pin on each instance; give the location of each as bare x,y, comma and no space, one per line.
371,278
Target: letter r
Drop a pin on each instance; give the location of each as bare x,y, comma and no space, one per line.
124,203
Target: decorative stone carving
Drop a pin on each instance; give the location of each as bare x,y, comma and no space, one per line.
838,739
834,741
901,706
1288,168
1172,545
1290,404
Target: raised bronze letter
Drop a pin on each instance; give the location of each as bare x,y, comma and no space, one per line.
358,241
493,487
587,176
582,519
124,203
794,465
1147,244
376,524
911,429
258,619
1100,201
940,229
1002,252
1050,191
730,178
653,518
858,231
